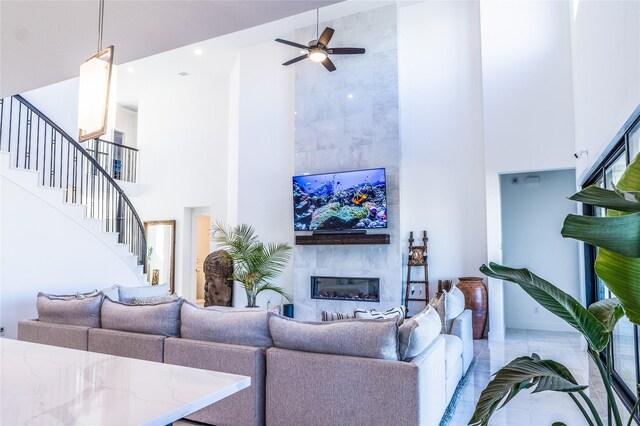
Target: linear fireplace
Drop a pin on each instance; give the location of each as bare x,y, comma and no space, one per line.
346,288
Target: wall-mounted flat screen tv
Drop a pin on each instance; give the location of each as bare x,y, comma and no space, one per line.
340,201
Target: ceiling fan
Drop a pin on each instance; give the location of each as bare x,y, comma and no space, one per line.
318,50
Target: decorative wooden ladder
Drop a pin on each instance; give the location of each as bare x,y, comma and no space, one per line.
417,258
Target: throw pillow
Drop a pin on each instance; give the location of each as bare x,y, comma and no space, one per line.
128,293
247,328
111,292
335,316
70,310
394,313
153,300
367,339
161,319
450,306
71,296
418,332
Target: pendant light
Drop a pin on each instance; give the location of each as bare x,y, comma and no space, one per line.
95,83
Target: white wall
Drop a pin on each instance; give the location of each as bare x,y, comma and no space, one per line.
532,215
528,106
606,70
182,138
46,250
126,122
59,102
442,182
261,132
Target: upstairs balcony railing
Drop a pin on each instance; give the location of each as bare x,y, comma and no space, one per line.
120,161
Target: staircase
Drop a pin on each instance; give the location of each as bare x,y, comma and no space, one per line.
39,156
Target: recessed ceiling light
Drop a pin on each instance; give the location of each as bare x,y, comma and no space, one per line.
183,74
350,96
198,52
130,69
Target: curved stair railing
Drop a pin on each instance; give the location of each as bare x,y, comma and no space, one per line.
37,143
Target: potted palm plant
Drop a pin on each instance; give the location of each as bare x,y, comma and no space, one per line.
255,264
617,237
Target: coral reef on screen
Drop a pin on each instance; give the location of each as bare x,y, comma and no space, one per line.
349,200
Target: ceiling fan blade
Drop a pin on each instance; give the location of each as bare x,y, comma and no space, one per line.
294,60
291,43
346,51
325,37
329,65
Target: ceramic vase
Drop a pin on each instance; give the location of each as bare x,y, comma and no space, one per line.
475,296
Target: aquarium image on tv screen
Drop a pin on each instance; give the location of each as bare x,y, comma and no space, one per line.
342,200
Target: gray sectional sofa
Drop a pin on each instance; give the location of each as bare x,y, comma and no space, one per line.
293,385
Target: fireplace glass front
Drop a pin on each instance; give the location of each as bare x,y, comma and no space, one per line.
346,288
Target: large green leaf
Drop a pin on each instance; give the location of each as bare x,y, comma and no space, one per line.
619,271
556,301
620,234
617,200
521,373
621,274
608,312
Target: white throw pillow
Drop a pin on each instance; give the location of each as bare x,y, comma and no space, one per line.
418,332
394,313
126,294
450,306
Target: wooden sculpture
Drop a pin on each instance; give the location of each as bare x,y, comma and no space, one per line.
218,289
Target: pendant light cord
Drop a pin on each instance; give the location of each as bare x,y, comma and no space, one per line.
317,24
100,24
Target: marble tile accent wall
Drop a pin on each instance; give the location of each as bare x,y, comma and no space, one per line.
349,120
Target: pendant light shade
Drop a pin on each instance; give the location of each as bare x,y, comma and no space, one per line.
93,102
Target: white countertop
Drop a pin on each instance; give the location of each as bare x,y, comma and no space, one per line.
49,385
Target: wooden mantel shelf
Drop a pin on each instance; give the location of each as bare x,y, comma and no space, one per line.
342,239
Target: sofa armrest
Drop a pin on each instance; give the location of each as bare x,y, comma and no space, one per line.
149,347
309,388
462,327
432,380
66,336
242,408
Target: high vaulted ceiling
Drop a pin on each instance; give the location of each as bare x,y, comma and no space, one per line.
44,42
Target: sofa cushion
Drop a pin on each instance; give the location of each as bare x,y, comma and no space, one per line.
247,328
161,319
362,338
450,306
79,310
335,316
128,293
418,332
397,314
452,354
111,292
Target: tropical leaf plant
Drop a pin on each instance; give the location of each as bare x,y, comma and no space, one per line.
255,264
617,237
523,373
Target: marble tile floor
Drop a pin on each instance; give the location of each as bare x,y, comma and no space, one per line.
527,409
541,409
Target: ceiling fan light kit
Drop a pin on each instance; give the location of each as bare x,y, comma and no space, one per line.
317,55
318,50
